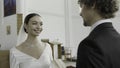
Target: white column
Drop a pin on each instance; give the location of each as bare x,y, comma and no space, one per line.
68,23
1,11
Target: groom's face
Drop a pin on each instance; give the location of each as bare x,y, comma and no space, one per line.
34,26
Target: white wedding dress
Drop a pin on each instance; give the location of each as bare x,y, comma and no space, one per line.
19,59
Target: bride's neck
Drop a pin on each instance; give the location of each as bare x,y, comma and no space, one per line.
32,40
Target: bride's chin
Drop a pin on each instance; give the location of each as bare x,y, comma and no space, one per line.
37,34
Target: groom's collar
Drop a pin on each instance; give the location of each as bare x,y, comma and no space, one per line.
100,22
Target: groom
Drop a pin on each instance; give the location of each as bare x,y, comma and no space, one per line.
101,49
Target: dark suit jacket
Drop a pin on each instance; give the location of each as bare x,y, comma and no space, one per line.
101,49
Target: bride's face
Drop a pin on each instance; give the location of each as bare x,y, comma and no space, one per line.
34,26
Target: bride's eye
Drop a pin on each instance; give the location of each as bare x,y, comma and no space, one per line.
34,23
41,23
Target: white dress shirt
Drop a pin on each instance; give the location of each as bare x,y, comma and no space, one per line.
100,22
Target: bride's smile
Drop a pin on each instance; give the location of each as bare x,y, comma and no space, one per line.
34,26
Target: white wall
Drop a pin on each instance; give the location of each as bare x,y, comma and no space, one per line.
116,21
1,11
77,31
7,41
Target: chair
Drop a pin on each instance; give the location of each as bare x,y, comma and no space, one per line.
52,43
4,59
67,52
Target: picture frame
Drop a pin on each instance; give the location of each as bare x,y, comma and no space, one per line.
9,7
8,29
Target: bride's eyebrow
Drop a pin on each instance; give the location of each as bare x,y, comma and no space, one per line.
36,21
33,20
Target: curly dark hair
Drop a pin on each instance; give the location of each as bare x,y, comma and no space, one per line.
106,8
28,17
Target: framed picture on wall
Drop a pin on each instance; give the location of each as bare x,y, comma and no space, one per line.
9,7
8,29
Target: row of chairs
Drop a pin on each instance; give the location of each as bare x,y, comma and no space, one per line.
4,59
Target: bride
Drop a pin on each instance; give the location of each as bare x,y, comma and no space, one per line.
31,53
